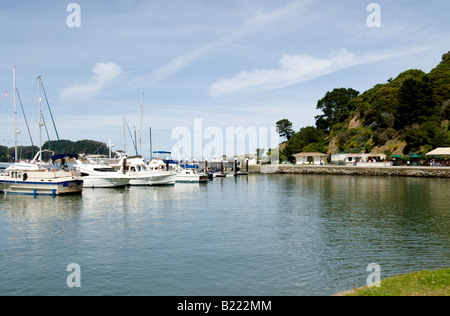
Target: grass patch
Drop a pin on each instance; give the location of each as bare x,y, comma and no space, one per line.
423,283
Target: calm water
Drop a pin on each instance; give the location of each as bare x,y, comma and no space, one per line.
255,235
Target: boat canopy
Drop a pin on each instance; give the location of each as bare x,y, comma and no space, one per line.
171,161
187,166
62,156
162,152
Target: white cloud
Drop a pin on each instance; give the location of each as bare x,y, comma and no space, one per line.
255,24
294,69
178,63
104,74
276,15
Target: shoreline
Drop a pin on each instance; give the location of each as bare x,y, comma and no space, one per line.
416,283
398,171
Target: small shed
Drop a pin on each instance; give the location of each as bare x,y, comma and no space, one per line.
310,158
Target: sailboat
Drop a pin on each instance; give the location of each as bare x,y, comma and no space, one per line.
37,177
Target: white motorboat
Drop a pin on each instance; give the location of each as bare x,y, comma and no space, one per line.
191,176
96,173
139,172
35,178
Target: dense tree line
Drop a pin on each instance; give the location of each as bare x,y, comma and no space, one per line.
410,113
58,147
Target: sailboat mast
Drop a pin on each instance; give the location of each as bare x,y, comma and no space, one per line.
151,153
15,115
140,129
40,118
124,138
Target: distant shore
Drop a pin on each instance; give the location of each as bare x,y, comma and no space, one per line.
399,171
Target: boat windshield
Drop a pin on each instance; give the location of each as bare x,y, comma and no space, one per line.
104,170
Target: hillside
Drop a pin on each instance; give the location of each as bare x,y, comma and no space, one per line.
407,115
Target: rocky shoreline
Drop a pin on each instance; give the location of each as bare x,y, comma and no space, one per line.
432,172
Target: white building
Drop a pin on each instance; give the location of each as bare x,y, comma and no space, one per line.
252,159
366,158
310,158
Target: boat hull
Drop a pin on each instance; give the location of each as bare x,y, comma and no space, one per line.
101,182
163,178
153,178
65,187
191,179
40,183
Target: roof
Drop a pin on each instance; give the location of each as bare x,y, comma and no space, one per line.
310,154
444,151
249,156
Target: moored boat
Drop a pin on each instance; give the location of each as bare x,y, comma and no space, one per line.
37,177
140,174
40,179
191,176
96,173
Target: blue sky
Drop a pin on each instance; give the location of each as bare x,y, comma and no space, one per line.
246,63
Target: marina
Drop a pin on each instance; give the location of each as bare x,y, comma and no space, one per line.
173,227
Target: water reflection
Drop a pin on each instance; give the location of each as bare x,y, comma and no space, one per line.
352,221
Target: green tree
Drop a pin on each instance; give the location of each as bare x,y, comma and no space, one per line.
428,135
415,103
79,147
4,157
259,154
284,128
336,107
307,139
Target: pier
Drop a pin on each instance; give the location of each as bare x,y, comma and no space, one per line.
403,171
